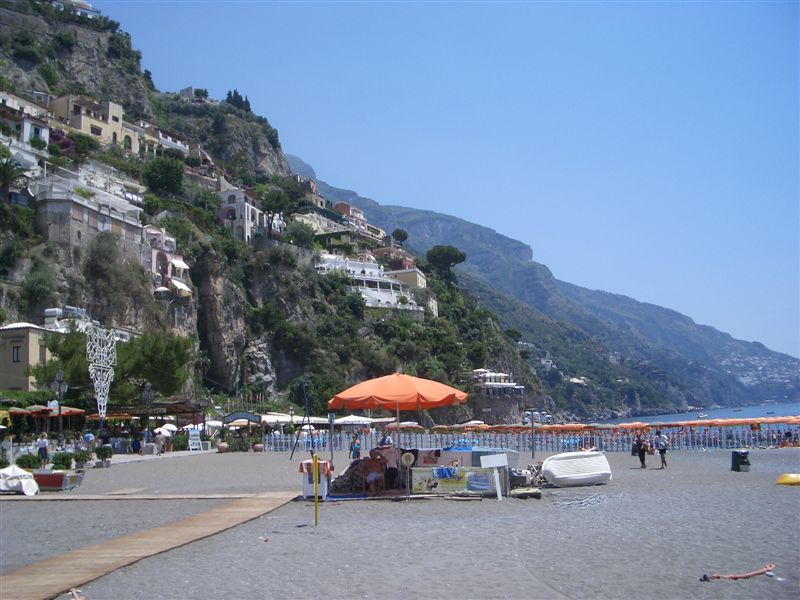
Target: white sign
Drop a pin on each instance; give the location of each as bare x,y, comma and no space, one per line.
194,440
494,460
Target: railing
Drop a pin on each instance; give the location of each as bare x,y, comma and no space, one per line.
521,442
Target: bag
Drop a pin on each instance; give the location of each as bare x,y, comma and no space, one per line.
651,450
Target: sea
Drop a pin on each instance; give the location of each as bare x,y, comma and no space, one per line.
736,412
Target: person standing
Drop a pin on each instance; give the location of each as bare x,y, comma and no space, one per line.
662,443
88,440
159,443
355,447
43,446
640,448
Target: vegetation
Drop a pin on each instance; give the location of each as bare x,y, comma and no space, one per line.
104,452
62,461
28,461
164,175
10,175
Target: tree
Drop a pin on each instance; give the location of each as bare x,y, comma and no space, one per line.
300,234
400,235
443,258
273,203
10,173
201,93
164,175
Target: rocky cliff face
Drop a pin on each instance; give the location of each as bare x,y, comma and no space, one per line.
220,321
246,140
101,64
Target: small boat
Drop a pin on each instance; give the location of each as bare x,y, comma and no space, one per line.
737,410
702,416
577,468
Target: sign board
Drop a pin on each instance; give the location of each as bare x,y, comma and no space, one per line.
243,414
194,440
494,460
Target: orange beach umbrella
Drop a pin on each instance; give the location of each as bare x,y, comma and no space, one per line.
397,392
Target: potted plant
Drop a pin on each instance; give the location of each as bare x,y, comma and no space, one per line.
62,461
104,454
82,458
29,462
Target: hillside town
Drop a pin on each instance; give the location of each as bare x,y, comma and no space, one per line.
75,204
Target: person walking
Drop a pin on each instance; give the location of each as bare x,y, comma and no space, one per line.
159,443
43,446
640,448
662,443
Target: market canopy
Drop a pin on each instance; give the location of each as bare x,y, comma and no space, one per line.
397,392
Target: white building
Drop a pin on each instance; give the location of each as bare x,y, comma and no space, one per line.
239,211
493,384
369,279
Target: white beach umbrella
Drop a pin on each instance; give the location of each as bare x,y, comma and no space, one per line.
162,431
170,427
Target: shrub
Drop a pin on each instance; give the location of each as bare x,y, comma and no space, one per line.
180,441
49,74
239,444
104,452
27,53
28,461
62,461
3,462
82,456
38,143
54,150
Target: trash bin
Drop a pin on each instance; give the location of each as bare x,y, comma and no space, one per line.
740,460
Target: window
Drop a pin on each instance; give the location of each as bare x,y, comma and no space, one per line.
96,130
115,119
15,353
42,354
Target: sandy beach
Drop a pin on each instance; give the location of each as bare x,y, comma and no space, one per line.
648,533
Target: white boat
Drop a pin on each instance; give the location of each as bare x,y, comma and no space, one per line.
577,468
702,416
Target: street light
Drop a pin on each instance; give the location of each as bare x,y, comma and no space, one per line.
291,414
532,417
147,396
60,387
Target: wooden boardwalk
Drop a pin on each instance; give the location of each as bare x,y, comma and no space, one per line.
54,576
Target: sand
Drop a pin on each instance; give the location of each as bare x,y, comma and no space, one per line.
647,534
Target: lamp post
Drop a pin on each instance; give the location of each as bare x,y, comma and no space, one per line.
147,396
60,387
291,415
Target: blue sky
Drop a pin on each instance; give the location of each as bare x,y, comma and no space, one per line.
643,148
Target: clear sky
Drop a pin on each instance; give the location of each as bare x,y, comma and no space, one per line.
642,148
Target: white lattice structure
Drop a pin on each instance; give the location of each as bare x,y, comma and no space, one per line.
101,352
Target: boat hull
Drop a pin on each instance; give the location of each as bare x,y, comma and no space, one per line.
577,468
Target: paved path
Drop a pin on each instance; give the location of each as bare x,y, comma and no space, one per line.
59,574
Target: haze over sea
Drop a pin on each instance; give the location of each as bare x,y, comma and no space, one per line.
741,412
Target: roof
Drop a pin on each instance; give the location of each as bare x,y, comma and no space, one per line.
21,325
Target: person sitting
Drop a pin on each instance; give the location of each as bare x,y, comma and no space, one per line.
374,468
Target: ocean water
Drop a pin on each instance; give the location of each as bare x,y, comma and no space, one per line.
763,410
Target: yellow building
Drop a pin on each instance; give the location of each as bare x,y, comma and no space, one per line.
102,121
22,345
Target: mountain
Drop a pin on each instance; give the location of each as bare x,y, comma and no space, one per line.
689,364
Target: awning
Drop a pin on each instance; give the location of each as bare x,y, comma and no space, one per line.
179,264
180,285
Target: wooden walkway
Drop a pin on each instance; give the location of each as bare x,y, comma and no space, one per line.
54,576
